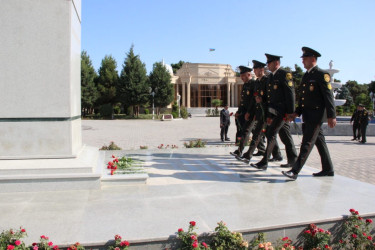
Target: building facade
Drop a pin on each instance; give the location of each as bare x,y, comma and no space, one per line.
199,83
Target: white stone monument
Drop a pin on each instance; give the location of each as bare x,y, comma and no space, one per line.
335,85
40,62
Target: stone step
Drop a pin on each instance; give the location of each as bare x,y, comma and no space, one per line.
49,182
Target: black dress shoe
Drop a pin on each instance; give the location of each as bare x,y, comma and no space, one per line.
323,173
222,139
227,139
363,142
276,159
246,156
260,165
236,153
290,174
353,139
259,154
288,165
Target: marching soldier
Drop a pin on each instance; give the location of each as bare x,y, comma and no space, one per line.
280,102
316,100
245,112
260,94
356,127
363,118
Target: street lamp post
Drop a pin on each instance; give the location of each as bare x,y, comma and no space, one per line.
152,93
178,102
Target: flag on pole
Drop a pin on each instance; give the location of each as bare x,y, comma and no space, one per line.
212,49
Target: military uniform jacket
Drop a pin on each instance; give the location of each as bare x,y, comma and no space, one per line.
280,93
355,117
261,91
247,98
316,97
363,117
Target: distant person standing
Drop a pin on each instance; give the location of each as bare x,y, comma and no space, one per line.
224,123
356,127
363,122
315,102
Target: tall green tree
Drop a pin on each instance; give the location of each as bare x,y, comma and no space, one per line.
89,92
297,78
160,80
356,89
107,81
177,66
133,85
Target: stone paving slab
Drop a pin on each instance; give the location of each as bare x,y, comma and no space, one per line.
350,159
206,185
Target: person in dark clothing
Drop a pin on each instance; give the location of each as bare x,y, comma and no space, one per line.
224,123
245,112
356,127
260,95
315,101
280,102
363,118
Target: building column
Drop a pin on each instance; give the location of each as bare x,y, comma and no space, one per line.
188,95
232,95
235,95
228,94
183,95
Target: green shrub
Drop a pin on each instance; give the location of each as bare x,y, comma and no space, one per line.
112,146
224,239
147,111
184,112
106,111
195,144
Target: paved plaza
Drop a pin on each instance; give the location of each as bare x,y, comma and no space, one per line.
350,159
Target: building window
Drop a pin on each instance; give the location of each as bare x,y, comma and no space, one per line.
202,94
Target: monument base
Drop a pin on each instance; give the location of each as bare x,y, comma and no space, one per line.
82,172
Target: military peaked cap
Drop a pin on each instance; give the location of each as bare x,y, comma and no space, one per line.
271,58
309,52
257,64
244,69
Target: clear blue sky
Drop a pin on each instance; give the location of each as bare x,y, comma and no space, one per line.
238,30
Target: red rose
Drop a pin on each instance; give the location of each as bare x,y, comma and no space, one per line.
23,230
112,171
192,223
204,244
17,243
285,245
56,247
44,237
180,230
352,210
354,236
124,243
359,218
364,234
113,156
356,212
326,246
285,238
50,243
369,238
193,237
368,221
34,244
117,237
341,241
10,247
195,244
321,230
115,160
307,232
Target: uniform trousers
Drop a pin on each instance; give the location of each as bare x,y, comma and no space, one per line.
247,127
224,132
257,141
278,125
356,131
313,135
363,127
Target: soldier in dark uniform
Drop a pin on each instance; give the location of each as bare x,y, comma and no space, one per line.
245,112
356,127
260,95
363,118
315,101
280,101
